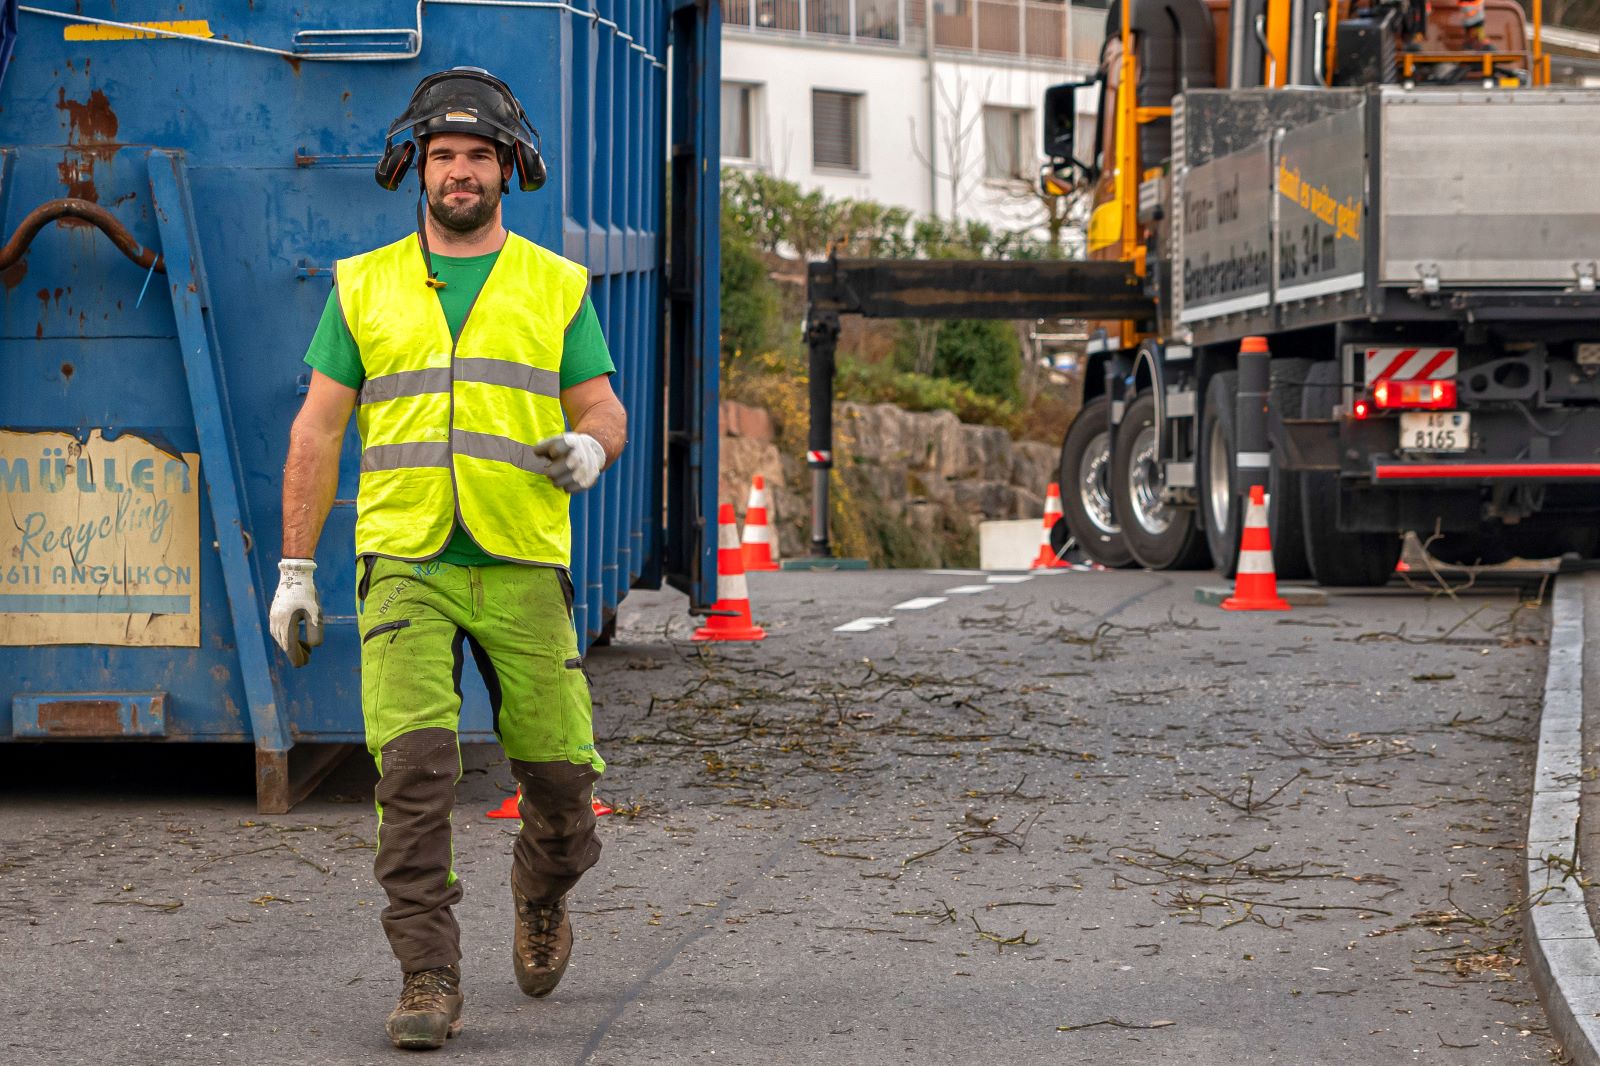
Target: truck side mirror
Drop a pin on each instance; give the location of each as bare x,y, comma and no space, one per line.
1060,120
1060,128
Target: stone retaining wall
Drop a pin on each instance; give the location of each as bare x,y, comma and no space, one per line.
925,475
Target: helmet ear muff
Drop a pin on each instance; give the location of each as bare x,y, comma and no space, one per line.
393,164
531,174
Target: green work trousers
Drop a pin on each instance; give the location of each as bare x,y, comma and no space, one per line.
416,620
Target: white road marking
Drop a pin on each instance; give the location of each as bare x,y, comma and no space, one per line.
1008,579
862,625
956,573
919,604
967,590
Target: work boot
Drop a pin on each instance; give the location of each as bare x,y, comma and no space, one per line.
543,943
429,1011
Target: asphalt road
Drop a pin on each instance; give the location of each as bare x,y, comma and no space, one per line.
1072,819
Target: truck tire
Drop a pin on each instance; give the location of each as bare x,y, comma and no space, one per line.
1159,536
1337,559
1060,538
1222,510
1085,477
1283,486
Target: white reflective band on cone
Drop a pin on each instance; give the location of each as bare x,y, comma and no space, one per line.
728,537
761,534
1255,562
758,498
732,587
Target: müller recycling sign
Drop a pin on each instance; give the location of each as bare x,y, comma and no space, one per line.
99,541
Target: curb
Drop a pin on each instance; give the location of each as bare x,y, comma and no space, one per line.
1562,952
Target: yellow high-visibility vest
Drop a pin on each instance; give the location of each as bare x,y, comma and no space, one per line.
447,428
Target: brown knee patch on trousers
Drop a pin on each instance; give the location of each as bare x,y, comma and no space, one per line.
558,841
416,793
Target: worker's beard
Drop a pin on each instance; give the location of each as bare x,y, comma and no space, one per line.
466,218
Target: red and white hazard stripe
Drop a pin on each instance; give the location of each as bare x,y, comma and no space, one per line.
819,458
1410,364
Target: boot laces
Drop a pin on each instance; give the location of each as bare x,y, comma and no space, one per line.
426,988
542,921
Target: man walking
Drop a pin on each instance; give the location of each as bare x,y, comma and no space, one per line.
465,367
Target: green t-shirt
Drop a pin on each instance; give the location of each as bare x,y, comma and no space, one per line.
333,351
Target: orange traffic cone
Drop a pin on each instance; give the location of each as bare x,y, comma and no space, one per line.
508,809
1047,558
733,595
757,541
1255,588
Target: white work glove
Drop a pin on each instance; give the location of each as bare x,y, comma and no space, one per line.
295,602
575,460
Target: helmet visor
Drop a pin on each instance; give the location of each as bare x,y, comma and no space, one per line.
461,102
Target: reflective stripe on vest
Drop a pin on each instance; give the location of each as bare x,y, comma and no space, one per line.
448,428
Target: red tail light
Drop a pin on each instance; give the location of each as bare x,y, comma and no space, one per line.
1361,409
1418,395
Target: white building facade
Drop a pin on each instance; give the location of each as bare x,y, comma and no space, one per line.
844,96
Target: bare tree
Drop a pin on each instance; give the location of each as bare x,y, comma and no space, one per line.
925,335
1027,206
956,128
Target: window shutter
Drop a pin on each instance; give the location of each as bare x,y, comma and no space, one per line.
835,138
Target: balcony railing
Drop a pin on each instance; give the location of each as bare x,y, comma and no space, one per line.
1044,30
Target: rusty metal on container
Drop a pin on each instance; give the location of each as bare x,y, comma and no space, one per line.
75,207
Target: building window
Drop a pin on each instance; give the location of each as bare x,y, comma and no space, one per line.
878,20
738,121
1007,143
836,129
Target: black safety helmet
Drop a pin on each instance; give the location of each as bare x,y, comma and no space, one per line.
463,100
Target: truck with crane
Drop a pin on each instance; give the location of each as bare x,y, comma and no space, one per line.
1408,215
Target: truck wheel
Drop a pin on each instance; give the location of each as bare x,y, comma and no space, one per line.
1085,477
1160,537
1337,559
1283,486
1222,507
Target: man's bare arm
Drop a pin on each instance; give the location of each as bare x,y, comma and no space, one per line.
592,408
311,474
